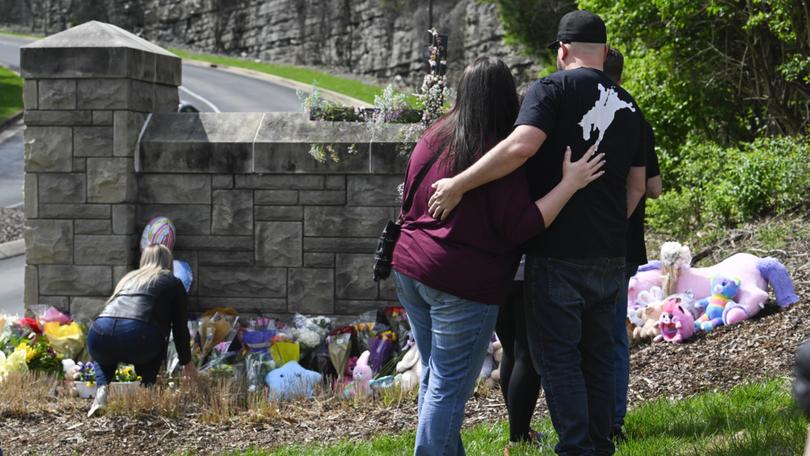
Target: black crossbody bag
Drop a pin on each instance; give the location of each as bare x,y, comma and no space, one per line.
388,239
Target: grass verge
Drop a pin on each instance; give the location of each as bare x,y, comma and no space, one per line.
34,36
10,94
346,86
752,419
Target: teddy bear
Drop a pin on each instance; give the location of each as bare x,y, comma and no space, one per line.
645,312
409,369
756,274
716,306
676,322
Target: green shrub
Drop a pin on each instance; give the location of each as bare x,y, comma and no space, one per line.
713,186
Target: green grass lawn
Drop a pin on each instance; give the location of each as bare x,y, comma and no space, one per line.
756,419
346,86
10,93
35,36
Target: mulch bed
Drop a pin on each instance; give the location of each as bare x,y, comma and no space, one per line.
755,350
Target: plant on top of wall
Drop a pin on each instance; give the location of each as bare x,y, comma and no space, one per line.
389,107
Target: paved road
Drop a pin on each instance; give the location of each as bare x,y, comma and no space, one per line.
12,275
208,89
11,166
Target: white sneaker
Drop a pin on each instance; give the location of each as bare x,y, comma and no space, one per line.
99,402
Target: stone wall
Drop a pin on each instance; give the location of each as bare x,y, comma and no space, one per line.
84,106
266,227
379,39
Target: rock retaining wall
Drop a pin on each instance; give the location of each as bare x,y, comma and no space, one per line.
379,39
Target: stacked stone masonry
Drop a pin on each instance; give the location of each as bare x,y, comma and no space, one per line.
87,93
267,228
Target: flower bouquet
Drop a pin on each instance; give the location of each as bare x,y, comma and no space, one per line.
258,361
66,339
40,356
15,362
381,347
284,350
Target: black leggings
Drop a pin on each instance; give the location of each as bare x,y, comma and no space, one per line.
520,383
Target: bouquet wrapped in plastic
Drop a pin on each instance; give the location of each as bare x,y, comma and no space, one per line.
214,330
15,362
310,332
284,349
340,349
66,339
258,361
381,347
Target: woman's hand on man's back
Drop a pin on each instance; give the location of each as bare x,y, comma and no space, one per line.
582,172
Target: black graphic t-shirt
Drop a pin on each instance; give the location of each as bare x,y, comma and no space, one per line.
578,108
636,247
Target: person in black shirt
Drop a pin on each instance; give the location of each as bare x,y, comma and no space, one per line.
636,254
575,269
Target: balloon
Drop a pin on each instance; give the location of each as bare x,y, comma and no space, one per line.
159,230
182,271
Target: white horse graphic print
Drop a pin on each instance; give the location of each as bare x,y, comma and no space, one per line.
602,114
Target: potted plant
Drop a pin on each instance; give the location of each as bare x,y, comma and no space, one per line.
84,380
125,380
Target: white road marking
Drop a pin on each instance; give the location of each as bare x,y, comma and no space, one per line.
211,105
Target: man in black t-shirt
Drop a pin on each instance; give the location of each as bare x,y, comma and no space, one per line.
636,254
575,270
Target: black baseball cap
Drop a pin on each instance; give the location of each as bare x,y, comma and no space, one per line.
581,26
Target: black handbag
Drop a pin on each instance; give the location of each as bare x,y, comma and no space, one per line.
388,239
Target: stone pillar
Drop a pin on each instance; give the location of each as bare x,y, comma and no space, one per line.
87,93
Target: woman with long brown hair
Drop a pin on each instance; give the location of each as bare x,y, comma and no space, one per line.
453,275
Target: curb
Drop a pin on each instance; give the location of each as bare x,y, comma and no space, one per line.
12,249
332,95
11,121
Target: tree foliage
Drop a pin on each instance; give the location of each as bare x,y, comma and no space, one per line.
532,24
731,70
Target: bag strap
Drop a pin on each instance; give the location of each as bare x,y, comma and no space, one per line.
406,206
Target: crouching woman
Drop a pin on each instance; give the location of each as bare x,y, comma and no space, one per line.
135,323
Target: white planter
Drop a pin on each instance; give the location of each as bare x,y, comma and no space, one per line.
124,388
84,390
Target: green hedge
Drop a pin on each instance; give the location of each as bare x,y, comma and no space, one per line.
711,186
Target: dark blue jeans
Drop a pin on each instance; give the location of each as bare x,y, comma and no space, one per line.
622,348
571,303
122,340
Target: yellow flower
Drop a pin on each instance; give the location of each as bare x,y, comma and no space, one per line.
27,349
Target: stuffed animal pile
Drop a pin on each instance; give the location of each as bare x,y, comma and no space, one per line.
665,296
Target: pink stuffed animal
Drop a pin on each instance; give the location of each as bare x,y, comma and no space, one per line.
676,322
362,376
755,274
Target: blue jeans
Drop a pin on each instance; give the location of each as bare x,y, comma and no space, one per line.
621,354
452,335
571,303
122,340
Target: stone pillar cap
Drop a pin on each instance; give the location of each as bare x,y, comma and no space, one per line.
99,50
